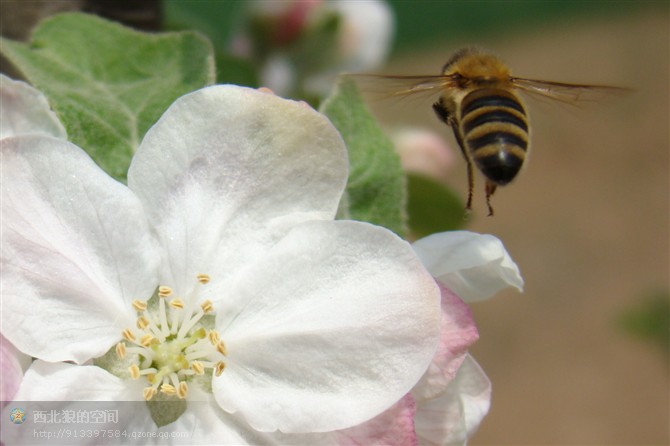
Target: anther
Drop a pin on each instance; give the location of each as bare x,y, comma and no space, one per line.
139,305
142,322
164,291
128,335
121,350
218,370
168,389
134,371
198,368
183,390
176,303
207,306
148,393
203,278
146,340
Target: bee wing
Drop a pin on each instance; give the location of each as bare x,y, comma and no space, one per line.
567,93
389,86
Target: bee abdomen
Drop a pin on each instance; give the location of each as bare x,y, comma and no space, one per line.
495,131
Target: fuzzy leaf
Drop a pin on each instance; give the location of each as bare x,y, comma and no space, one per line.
107,83
376,188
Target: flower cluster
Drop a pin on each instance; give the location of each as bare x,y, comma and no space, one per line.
219,278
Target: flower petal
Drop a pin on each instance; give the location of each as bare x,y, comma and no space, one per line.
72,384
46,381
75,251
25,110
454,416
11,370
227,171
394,427
474,266
332,327
457,333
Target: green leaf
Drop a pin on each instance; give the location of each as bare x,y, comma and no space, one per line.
376,188
109,84
432,207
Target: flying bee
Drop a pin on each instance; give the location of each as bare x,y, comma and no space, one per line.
479,100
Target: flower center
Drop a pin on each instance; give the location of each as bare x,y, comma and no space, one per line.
170,345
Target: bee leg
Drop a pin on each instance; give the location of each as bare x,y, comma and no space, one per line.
490,190
446,117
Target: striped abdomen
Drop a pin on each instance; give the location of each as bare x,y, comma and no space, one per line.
494,129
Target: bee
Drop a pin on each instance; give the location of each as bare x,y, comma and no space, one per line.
479,100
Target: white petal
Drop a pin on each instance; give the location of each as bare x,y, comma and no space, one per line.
227,171
75,251
332,327
61,387
25,110
454,416
204,422
46,381
11,369
474,266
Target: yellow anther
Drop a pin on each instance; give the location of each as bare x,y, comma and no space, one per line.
142,322
213,336
203,278
176,303
164,291
146,340
139,305
218,370
207,306
134,371
128,335
168,389
221,348
121,350
148,393
198,368
183,390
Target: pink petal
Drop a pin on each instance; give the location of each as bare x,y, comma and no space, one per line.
394,426
457,333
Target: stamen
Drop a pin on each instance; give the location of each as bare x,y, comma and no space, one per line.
164,291
165,330
142,322
148,393
121,350
134,371
219,368
183,390
168,355
168,389
207,306
176,303
198,368
147,340
128,335
213,336
139,305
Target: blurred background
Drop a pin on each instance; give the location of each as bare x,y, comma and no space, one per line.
581,357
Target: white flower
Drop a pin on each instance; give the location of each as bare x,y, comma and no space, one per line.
273,314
